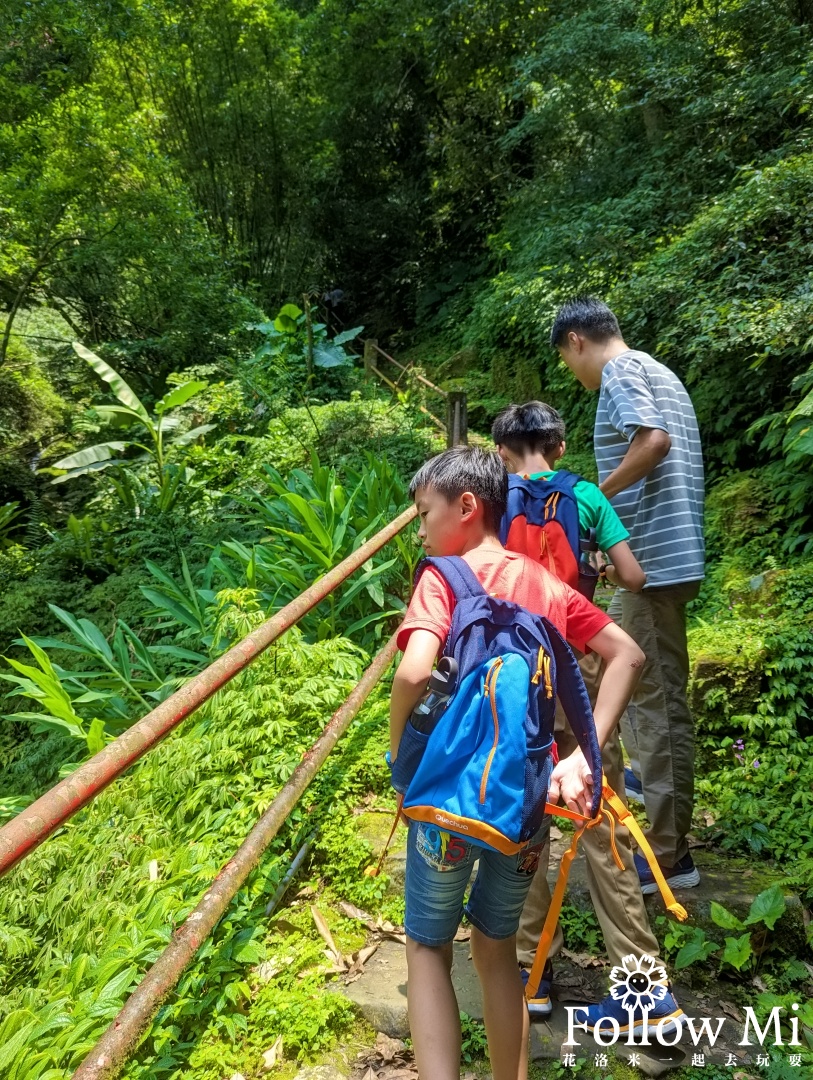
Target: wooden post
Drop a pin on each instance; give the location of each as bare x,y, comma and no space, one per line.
369,355
457,424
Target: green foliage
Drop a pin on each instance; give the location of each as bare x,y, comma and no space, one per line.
342,856
581,929
752,692
184,809
295,353
162,436
474,1045
314,522
9,514
742,953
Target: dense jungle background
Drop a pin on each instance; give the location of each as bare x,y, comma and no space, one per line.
218,202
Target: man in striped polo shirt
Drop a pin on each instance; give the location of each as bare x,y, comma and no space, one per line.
650,467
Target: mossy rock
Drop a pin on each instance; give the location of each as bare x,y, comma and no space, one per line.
728,662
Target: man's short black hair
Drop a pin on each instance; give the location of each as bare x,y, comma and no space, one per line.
467,468
584,315
532,428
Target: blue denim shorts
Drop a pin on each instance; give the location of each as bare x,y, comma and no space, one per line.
438,868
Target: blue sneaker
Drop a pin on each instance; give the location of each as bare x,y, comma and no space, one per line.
633,786
540,1005
684,875
664,1018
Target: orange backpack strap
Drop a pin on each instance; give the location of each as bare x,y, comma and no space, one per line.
614,810
625,817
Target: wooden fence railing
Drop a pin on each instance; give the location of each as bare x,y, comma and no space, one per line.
455,427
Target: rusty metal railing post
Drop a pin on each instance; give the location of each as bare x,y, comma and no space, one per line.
36,823
113,1049
457,423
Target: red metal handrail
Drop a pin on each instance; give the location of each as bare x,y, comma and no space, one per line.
112,1050
39,820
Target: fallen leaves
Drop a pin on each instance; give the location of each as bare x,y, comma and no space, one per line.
271,1056
351,966
389,1059
324,932
582,960
350,911
388,1049
730,1009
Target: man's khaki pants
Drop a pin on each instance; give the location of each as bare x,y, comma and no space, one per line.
657,728
616,894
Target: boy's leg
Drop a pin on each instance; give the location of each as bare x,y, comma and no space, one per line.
495,904
438,868
504,1012
434,1017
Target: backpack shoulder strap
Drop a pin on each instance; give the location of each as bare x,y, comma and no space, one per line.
564,480
459,576
572,693
561,480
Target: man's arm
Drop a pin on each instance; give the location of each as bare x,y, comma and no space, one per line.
409,682
647,450
571,779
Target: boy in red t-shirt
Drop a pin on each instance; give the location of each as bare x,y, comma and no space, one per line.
461,496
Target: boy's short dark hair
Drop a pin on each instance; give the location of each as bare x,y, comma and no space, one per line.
586,315
532,428
467,468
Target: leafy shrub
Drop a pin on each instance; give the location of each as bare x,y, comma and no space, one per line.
752,693
183,810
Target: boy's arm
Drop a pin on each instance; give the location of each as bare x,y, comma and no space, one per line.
571,779
409,682
623,568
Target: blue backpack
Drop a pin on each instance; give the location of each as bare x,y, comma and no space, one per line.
490,757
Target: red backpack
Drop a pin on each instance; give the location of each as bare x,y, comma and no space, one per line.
542,522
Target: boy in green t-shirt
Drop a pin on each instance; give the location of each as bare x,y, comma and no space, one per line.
530,439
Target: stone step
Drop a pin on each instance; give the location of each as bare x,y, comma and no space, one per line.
381,997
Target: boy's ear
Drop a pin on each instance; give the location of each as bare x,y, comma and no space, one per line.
505,457
468,505
559,452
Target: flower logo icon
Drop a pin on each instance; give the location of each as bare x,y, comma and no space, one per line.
639,983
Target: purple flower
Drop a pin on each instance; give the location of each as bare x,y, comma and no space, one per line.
755,763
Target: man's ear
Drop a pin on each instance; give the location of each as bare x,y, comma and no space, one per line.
468,505
575,341
559,452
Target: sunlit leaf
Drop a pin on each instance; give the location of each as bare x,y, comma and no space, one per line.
120,388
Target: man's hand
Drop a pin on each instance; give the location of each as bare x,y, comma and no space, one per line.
572,782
